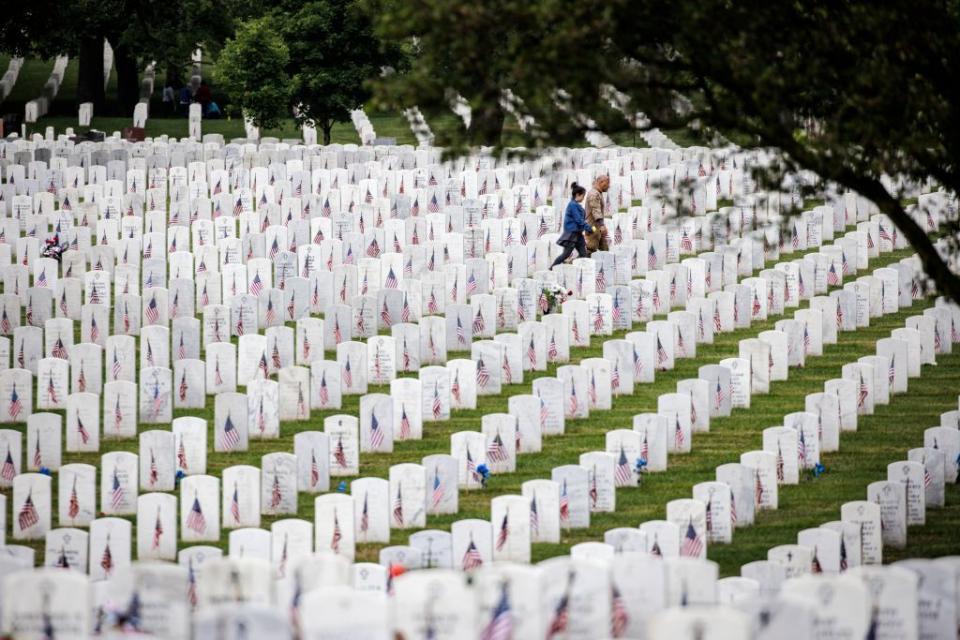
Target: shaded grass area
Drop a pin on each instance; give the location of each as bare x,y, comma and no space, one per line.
33,75
881,439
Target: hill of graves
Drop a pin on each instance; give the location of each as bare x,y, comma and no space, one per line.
340,386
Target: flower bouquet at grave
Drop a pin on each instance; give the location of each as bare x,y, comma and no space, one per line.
552,298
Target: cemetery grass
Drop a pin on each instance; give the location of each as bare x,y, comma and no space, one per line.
881,439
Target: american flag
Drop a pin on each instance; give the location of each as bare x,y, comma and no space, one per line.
544,414
276,493
154,472
117,497
757,489
28,514
183,386
575,330
106,560
339,454
843,554
231,437
471,284
373,249
256,285
862,393
376,432
157,531
500,626
182,456
94,329
678,437
398,508
552,351
59,349
42,279
436,402
483,374
884,234
806,339
561,615
9,471
598,320
623,472
833,279
461,337
504,532
615,378
365,515
195,520
84,434
574,405
404,423
839,316
600,280
74,508
618,613
347,375
496,451
5,322
594,491
153,311
661,353
651,258
437,489
733,509
478,324
471,557
780,465
564,503
16,405
892,371
337,534
801,449
271,313
692,545
592,389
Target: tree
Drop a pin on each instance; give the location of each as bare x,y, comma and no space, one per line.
252,69
333,53
854,91
139,31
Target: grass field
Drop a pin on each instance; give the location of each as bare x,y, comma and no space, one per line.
881,439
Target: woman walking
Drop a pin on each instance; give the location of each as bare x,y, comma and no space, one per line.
574,226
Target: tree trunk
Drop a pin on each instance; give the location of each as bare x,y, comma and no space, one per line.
90,84
326,126
174,75
128,78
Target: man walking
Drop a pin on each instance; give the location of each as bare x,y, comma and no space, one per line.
597,238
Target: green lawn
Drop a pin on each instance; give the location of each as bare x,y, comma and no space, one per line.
881,439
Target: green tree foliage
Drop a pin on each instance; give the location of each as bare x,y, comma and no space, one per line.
854,91
140,32
333,54
252,69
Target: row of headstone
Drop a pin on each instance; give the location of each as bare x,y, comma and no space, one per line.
361,122
10,76
596,491
592,593
38,107
418,125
